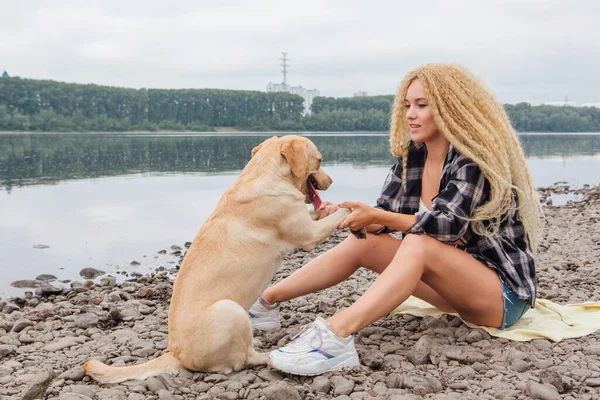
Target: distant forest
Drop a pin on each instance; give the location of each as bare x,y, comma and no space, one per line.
49,106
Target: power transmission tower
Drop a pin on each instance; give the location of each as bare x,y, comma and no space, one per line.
284,69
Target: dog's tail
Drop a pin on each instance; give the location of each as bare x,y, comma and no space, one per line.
105,374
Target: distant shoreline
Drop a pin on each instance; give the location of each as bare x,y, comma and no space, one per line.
197,133
248,133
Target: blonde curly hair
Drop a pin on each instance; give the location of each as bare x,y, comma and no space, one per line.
475,123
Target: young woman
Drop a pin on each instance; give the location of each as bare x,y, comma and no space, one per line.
461,194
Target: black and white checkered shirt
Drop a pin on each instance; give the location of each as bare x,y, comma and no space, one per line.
463,188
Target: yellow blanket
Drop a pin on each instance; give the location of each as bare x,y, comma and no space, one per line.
547,320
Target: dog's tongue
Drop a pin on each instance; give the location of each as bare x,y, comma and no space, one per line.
314,195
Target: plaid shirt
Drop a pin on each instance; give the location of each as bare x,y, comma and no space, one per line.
463,188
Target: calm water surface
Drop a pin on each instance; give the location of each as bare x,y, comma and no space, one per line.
104,201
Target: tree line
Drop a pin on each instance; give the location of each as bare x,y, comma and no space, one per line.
50,106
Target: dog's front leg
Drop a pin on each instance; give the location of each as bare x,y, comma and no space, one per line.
318,231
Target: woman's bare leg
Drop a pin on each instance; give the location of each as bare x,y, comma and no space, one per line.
469,286
338,263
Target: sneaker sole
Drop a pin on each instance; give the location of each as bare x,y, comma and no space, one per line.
336,364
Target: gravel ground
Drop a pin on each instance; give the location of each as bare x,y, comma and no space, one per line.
45,336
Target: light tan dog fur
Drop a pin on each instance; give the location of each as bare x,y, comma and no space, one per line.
233,258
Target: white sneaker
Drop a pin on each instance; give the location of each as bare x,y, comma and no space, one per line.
315,350
263,316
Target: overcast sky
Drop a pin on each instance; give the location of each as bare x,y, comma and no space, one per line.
525,50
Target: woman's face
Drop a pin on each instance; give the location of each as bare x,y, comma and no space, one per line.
418,114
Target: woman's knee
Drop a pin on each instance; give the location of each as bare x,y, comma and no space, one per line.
418,245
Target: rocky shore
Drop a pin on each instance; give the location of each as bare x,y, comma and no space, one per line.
46,335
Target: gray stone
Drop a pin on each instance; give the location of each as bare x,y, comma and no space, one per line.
10,308
110,394
373,359
244,377
84,390
473,357
269,375
394,380
474,336
461,373
542,391
86,320
553,378
425,384
200,387
592,382
49,289
215,378
419,353
228,396
5,370
122,336
154,385
27,284
62,343
520,366
321,384
593,349
25,338
74,374
380,388
173,382
456,355
541,344
341,385
281,391
46,277
130,314
73,396
108,281
38,386
6,349
90,273
164,394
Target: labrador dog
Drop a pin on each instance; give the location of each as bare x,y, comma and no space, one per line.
233,258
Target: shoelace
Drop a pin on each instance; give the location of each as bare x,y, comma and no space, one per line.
304,332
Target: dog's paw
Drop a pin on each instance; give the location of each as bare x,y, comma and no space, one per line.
315,214
344,211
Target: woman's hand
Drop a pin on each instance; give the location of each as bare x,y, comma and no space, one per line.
327,208
361,216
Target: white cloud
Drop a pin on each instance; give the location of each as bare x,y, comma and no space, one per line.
525,50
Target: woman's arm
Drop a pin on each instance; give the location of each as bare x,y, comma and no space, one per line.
393,220
371,218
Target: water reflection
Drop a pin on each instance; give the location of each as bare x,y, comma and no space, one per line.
47,158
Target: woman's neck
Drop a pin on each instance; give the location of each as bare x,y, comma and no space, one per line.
437,150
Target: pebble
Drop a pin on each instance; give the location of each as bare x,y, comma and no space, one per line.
542,391
341,385
419,354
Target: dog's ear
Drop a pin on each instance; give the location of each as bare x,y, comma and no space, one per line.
294,151
257,148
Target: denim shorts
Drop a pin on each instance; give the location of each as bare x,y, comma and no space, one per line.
514,307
